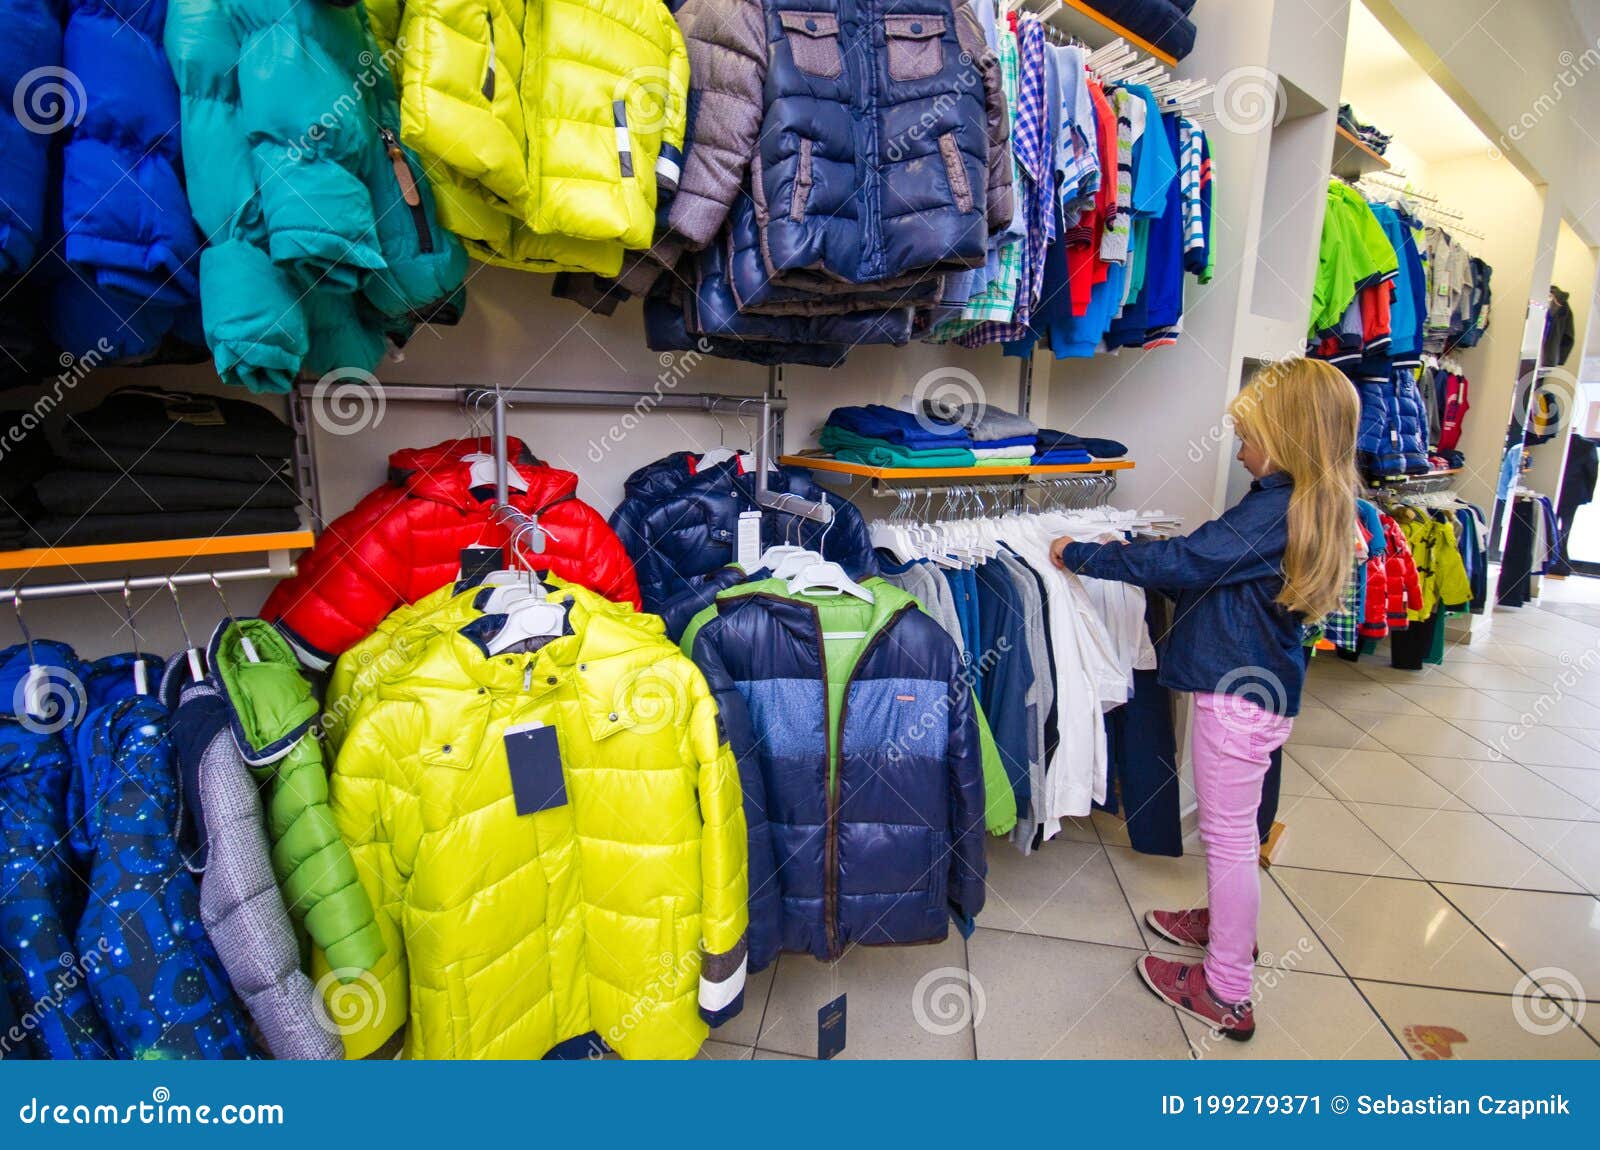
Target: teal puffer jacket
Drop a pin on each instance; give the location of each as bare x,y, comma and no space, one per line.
321,226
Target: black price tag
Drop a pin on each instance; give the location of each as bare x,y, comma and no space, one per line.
534,756
830,1029
476,562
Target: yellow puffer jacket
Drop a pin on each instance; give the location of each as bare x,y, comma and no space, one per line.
544,124
621,912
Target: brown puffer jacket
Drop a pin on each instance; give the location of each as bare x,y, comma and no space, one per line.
789,93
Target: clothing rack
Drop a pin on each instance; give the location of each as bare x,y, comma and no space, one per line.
1419,485
148,582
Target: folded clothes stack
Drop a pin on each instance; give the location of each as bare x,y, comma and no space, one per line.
886,437
1058,447
155,464
1000,438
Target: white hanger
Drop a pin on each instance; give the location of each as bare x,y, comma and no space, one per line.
827,578
795,562
528,616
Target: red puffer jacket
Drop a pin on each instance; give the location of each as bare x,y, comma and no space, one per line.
1405,590
404,541
1375,620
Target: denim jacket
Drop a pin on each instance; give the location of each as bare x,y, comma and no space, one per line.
1228,634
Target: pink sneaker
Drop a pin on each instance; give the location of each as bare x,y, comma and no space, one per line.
1183,985
1184,927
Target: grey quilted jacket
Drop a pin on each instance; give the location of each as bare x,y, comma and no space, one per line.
225,840
871,135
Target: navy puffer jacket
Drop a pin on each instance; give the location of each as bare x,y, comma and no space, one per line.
873,779
1392,436
681,540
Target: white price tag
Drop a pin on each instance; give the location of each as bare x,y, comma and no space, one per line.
749,543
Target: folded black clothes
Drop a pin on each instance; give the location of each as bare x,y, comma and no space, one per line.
113,493
1052,440
78,531
1165,23
77,450
153,418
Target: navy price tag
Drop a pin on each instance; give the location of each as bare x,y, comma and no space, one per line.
534,756
476,562
830,1028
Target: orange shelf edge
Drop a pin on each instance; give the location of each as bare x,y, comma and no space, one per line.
866,471
1083,9
154,549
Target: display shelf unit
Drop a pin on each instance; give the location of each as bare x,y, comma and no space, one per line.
102,553
1077,18
917,474
1352,158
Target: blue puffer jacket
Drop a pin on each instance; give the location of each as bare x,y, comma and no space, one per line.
1392,437
871,767
41,899
126,228
159,986
682,540
30,50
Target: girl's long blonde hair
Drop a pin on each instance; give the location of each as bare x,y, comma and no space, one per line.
1303,415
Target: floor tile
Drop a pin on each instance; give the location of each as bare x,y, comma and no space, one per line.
1301,1016
1296,780
1420,734
1049,998
1377,668
1506,788
742,1028
1324,835
1551,708
1373,777
1555,934
1460,703
1064,889
778,1055
1572,846
1489,677
1524,744
715,1051
887,986
1465,1025
1322,727
1172,884
1582,784
1397,930
1079,830
1362,694
1460,846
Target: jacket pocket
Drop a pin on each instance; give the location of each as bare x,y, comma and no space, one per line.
955,169
814,42
802,182
915,46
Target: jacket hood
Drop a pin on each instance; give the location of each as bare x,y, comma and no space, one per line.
270,704
441,474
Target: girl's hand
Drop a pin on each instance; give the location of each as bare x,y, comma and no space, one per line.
1056,547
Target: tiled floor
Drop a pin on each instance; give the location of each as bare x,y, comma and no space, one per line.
1435,894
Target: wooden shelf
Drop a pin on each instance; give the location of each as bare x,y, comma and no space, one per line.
154,549
1097,30
908,474
1352,158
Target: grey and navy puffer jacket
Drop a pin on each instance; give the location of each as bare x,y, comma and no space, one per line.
872,779
224,842
682,538
872,135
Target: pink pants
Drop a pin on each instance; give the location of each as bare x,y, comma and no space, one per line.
1232,749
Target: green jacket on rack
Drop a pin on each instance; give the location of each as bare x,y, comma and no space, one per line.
273,713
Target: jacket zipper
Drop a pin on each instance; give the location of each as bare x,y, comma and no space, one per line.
408,188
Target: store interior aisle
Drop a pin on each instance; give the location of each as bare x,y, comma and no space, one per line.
1435,895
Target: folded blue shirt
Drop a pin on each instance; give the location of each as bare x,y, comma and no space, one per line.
898,427
1061,455
1009,441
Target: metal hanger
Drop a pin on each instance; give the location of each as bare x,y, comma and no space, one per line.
191,653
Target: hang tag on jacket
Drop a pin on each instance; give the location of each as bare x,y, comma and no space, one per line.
534,756
748,554
830,1028
477,562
